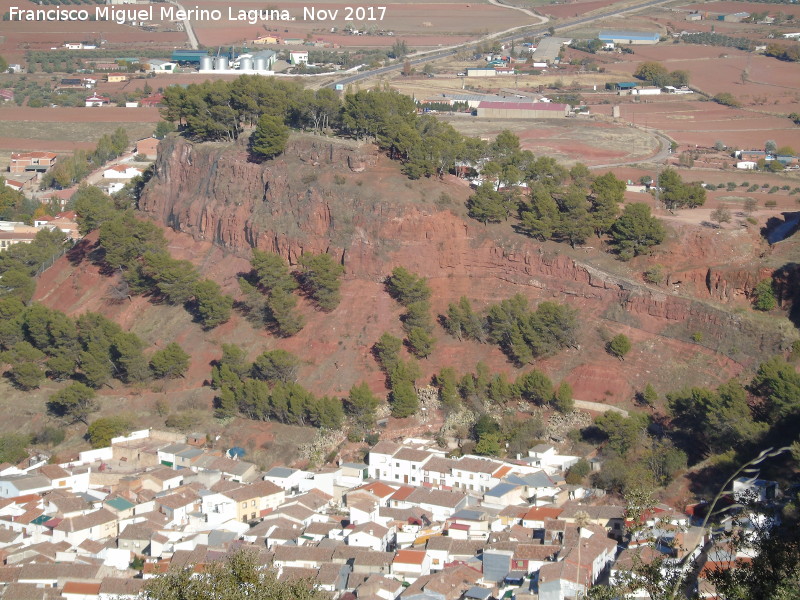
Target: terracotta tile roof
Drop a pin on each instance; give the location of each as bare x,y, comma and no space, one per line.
440,464
303,553
80,523
88,589
541,512
537,552
409,557
121,586
53,471
403,493
297,573
411,455
377,488
477,465
385,447
502,472
370,528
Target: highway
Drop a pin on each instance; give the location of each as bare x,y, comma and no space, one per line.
453,49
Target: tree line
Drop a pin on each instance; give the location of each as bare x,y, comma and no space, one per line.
222,111
38,343
268,289
569,205
74,168
414,294
523,334
267,389
722,426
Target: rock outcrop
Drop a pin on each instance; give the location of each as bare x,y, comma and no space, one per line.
299,203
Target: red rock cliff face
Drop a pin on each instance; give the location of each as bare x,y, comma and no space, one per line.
213,193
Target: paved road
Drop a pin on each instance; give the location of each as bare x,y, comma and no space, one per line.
187,26
437,54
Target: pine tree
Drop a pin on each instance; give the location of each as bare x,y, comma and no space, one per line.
270,136
403,400
321,277
169,362
211,305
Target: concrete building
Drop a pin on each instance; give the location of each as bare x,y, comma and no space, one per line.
298,57
632,38
522,110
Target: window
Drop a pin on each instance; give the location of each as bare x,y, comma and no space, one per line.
413,479
244,504
252,515
397,476
253,503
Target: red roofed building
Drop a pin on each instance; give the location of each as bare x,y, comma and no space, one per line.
411,564
74,590
151,101
535,517
31,161
522,110
97,100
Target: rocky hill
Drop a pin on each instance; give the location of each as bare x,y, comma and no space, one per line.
342,197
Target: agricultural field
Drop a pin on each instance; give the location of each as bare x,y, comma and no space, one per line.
63,130
42,35
420,25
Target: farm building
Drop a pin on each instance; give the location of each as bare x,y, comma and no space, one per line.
160,66
629,37
188,56
481,72
735,17
267,39
473,100
298,57
522,110
549,48
646,91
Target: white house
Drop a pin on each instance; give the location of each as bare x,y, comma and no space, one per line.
97,525
547,458
286,478
217,508
298,57
97,100
370,535
409,565
12,486
125,172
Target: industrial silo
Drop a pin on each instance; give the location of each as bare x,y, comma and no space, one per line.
206,63
246,64
222,63
260,64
